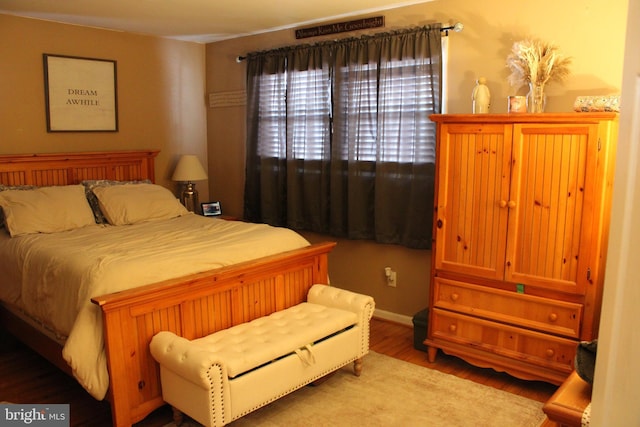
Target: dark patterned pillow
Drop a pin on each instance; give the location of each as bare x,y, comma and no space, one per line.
17,187
12,187
89,185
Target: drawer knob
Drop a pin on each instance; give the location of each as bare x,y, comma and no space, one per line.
454,296
503,203
511,204
550,352
553,317
452,328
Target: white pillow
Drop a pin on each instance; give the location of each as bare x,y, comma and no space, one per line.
133,203
45,209
90,184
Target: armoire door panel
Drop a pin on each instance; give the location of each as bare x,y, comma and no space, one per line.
474,180
548,185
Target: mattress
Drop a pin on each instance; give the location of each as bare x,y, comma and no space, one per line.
52,277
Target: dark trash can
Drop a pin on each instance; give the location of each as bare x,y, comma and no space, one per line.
420,329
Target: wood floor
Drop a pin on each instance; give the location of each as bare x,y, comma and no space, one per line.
27,378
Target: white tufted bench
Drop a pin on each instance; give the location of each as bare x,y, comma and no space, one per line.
223,376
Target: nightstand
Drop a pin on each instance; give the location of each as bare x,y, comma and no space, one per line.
566,406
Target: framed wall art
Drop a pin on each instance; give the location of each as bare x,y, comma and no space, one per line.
80,94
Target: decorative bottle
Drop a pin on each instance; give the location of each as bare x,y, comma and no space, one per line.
481,97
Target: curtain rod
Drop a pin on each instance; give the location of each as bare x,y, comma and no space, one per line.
457,27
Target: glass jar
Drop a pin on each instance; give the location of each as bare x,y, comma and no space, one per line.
536,99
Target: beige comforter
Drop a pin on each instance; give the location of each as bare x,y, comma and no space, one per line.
52,277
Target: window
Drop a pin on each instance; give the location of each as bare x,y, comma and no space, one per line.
384,132
333,137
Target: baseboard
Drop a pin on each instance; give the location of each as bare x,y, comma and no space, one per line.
393,317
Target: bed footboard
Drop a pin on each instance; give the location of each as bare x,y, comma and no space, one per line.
192,307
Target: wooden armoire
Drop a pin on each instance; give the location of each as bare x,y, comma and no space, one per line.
521,218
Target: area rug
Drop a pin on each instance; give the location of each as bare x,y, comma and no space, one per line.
391,392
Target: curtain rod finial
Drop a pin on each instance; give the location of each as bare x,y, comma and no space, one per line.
457,27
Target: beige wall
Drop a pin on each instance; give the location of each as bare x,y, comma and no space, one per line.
591,32
161,102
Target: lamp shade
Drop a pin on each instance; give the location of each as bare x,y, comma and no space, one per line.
189,168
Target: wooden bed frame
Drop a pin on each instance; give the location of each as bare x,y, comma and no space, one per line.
191,306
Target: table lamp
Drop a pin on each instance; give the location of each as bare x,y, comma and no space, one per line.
187,170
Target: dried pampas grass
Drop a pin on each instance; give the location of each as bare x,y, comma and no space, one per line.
538,62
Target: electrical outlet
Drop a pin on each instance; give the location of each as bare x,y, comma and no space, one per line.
391,280
391,276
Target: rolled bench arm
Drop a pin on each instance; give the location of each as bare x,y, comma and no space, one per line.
330,296
185,359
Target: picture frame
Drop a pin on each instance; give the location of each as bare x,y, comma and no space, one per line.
80,94
517,104
211,209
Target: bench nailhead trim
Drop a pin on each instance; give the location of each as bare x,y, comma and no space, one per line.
217,368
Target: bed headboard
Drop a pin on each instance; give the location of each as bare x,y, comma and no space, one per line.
72,168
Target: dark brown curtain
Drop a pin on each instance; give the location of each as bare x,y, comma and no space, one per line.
338,136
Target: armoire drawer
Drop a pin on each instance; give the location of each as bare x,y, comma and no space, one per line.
531,312
504,340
